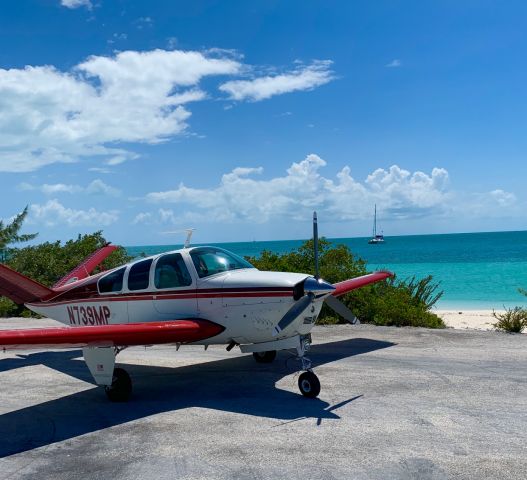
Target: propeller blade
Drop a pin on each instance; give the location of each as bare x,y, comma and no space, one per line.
315,244
293,313
336,305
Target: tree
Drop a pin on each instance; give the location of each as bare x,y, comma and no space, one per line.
10,233
392,302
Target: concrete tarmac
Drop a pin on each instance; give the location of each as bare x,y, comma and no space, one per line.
395,404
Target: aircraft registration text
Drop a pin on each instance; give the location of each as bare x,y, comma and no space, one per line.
88,315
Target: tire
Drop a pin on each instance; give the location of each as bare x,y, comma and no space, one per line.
265,357
309,385
121,387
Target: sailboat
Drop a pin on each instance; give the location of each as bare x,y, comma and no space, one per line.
377,237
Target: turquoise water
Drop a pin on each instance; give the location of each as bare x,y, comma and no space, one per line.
476,270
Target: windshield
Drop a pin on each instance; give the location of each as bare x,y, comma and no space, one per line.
211,260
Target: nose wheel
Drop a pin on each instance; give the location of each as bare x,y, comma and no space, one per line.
309,384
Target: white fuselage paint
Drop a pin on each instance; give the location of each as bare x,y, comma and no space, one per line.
233,299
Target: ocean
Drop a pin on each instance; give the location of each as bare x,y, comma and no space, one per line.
475,270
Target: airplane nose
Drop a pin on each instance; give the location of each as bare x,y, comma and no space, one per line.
318,286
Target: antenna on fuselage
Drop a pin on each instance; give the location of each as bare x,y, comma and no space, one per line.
189,231
189,235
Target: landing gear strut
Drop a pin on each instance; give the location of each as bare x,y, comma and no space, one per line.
121,387
308,382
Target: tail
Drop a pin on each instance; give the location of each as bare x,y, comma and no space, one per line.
86,267
20,288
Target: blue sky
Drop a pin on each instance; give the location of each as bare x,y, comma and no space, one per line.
241,118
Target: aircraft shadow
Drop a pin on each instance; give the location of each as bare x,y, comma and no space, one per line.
237,385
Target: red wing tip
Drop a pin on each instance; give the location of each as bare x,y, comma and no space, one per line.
388,272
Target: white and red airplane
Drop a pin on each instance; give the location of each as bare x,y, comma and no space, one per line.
200,295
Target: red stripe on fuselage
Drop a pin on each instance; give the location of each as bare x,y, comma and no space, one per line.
185,294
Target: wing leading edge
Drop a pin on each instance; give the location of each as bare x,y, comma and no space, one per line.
176,331
348,285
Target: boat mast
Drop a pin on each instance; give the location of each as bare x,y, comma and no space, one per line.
375,222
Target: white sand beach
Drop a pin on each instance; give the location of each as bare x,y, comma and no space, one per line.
463,319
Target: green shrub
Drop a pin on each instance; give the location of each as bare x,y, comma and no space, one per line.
513,320
392,302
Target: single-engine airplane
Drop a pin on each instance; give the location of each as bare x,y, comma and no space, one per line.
195,295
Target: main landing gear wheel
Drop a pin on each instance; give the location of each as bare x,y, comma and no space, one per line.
309,384
121,387
265,357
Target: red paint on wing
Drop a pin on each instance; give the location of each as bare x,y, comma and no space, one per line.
348,285
174,331
20,288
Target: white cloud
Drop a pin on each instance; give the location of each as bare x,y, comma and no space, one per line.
240,196
96,187
60,188
172,43
99,187
504,199
394,63
143,22
143,217
302,78
49,116
53,213
76,3
116,37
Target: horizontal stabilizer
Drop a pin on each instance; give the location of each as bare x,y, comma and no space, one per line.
174,331
348,285
20,288
87,266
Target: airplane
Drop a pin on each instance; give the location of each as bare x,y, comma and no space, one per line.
201,295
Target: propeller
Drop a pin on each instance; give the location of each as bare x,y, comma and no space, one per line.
315,244
337,306
311,288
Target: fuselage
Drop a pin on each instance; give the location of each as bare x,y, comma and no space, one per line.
201,282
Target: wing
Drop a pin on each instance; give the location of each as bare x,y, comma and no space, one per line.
175,331
87,266
347,285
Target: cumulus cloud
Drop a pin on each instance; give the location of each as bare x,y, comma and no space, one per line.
76,3
96,187
394,63
241,196
143,217
49,116
53,213
504,199
302,78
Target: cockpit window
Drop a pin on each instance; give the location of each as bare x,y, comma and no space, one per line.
139,275
211,260
171,272
113,282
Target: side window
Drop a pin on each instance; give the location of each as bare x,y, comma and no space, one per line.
139,275
171,272
113,282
